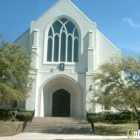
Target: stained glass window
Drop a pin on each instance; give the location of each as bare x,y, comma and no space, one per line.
63,42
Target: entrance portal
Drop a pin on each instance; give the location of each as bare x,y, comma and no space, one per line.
61,103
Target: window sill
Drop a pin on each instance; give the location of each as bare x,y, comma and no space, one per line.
57,63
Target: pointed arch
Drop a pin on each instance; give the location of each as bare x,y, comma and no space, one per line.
61,48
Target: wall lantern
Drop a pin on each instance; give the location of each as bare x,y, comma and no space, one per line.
90,88
61,66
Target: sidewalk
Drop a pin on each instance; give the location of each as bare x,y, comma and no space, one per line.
44,136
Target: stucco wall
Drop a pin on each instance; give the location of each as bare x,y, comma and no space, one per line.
23,40
105,49
63,9
94,49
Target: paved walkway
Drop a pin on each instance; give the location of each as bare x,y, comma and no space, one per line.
43,136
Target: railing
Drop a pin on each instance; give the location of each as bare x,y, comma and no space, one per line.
89,119
32,116
28,119
25,122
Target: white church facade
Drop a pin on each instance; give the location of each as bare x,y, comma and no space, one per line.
70,48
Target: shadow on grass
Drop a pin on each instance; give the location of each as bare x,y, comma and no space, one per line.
111,130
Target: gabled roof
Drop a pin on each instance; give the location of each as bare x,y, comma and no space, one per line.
71,4
108,40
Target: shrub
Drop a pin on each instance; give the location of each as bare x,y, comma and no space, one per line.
20,109
20,117
5,114
95,117
123,117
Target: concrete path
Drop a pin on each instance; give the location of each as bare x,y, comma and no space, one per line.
44,136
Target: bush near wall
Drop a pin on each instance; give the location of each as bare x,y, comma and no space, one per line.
5,114
95,117
115,118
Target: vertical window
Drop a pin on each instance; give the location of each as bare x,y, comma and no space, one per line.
63,40
69,53
56,49
63,47
49,53
75,50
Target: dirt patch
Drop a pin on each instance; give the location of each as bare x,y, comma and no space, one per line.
10,128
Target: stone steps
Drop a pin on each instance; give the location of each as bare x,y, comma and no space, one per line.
58,120
58,125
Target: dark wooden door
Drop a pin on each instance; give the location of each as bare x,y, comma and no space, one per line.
61,103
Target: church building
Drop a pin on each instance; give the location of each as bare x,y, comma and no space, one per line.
70,48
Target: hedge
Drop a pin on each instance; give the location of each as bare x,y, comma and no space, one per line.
5,114
123,117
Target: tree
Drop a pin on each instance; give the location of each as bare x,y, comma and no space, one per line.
15,66
117,84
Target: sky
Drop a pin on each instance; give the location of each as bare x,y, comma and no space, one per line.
117,20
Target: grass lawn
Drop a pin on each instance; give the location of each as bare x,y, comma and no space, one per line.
9,128
117,129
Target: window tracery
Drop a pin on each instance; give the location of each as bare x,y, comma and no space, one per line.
63,42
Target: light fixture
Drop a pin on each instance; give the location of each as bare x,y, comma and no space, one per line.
90,88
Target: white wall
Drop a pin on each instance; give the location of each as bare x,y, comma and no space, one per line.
94,49
23,40
105,50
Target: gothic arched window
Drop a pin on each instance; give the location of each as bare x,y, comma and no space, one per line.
63,42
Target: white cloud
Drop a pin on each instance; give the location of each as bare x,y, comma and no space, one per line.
130,21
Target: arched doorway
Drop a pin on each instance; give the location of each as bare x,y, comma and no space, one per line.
45,99
61,103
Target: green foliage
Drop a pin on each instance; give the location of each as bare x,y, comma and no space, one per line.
95,117
117,84
5,114
15,66
113,118
20,109
118,118
21,116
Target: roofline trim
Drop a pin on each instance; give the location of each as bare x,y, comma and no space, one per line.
70,3
108,40
81,11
